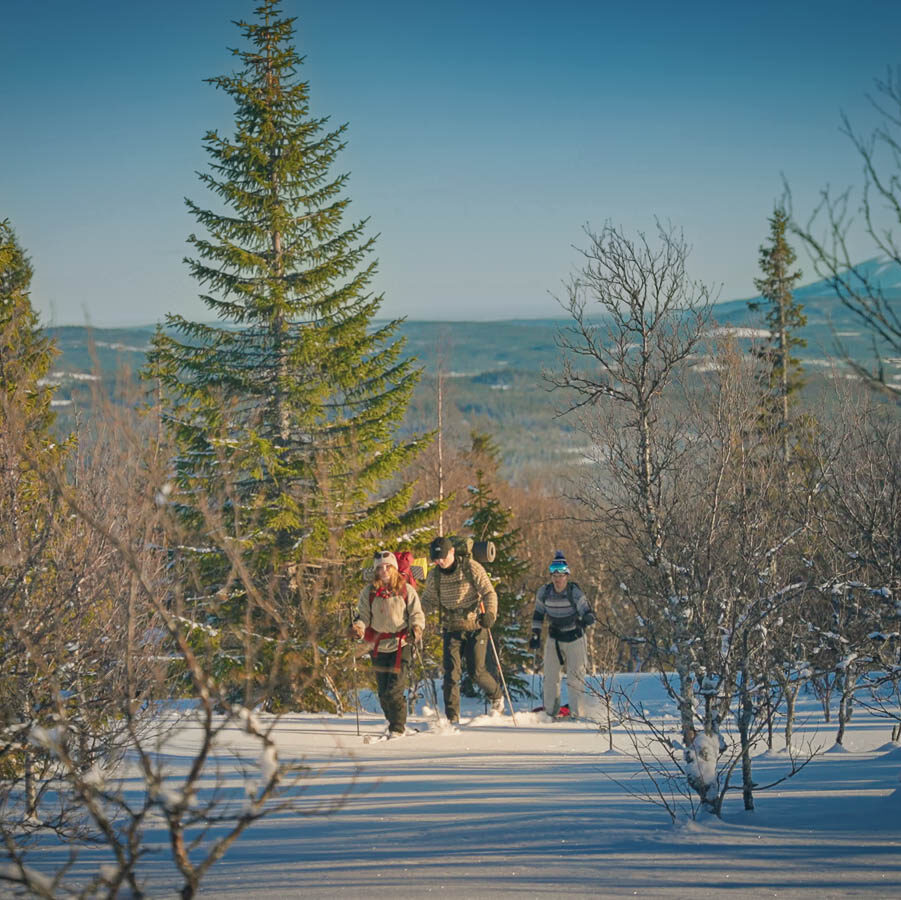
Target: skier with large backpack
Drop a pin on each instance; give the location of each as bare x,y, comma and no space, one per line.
390,619
566,608
461,591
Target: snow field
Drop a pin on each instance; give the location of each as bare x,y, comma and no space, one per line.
543,810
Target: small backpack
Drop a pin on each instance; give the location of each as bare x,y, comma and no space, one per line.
576,630
570,587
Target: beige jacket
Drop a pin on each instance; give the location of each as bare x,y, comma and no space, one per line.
388,615
457,594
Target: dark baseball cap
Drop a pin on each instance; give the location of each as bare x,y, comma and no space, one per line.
440,547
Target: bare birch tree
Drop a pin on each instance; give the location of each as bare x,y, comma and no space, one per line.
856,622
681,480
829,229
109,645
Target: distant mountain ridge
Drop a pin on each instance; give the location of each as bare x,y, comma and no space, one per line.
521,345
828,318
493,370
529,344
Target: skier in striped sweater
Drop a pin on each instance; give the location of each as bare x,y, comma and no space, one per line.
563,603
461,592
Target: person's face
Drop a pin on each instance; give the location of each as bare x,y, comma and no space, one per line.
446,560
559,579
383,572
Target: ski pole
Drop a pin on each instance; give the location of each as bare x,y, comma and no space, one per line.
500,672
433,694
500,668
534,670
353,656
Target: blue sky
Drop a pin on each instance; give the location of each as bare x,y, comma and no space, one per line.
482,136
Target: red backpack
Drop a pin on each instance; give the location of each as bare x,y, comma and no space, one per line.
406,568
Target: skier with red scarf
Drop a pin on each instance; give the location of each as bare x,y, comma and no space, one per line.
390,619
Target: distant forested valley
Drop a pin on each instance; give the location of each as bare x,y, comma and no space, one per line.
492,375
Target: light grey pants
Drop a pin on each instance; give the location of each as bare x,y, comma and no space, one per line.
575,662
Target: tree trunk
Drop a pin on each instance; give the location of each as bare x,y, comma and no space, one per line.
745,721
783,379
31,801
840,734
845,706
823,688
791,695
440,445
696,751
686,705
609,727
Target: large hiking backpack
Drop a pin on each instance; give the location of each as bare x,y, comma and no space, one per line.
410,567
466,550
481,551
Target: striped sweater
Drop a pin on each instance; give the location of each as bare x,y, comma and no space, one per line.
458,595
559,611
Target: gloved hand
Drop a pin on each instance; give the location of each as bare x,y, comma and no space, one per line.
487,619
535,640
417,633
588,619
358,629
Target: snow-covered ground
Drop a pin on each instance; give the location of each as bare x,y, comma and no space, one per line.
542,810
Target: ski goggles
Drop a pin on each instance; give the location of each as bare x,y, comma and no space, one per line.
558,568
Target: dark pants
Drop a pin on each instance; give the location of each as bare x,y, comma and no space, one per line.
473,646
392,684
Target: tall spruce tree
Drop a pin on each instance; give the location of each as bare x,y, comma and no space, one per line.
26,506
25,351
490,521
286,411
780,376
781,373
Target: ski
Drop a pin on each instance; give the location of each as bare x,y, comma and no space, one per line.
563,713
387,736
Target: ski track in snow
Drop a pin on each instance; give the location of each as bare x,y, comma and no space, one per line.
540,810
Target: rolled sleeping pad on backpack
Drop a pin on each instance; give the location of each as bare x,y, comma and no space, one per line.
483,551
480,551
